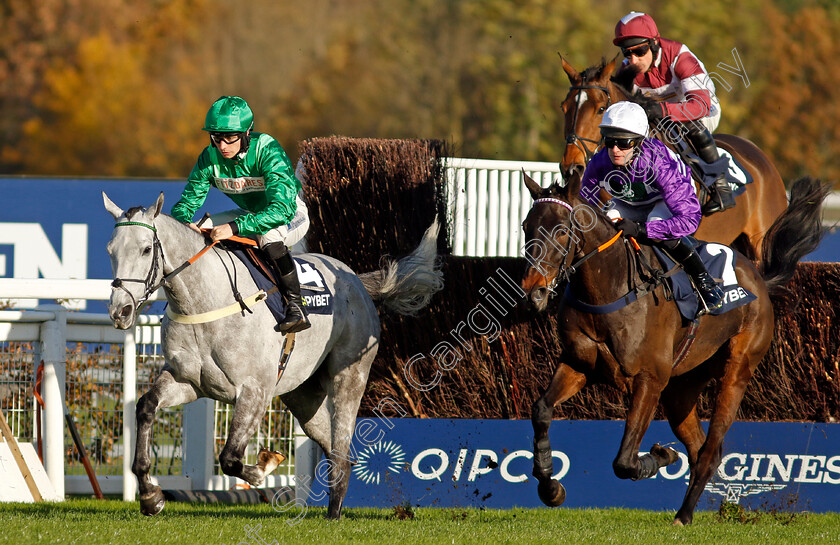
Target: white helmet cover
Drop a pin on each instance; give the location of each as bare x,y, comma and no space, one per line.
626,116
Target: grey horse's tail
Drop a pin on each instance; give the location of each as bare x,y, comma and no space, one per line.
408,284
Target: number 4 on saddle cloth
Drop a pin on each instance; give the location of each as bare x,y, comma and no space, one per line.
720,262
317,297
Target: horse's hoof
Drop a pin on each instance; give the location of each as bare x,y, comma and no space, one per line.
683,519
152,503
664,455
268,460
551,492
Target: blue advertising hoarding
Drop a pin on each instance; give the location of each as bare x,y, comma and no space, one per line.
487,463
58,227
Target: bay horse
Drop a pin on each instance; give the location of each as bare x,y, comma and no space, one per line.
234,359
743,226
635,348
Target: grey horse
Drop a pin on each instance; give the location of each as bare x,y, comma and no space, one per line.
234,358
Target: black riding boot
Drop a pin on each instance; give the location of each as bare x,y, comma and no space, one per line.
721,197
684,253
287,281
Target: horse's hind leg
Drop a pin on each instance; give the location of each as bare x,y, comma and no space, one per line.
679,400
308,403
345,393
250,407
737,373
165,392
565,383
628,464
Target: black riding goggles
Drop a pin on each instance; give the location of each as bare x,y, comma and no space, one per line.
226,137
637,50
620,143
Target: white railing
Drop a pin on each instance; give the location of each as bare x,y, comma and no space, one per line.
48,330
488,202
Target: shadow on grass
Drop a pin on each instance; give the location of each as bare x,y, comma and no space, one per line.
120,510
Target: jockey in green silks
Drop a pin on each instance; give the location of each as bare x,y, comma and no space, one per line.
254,171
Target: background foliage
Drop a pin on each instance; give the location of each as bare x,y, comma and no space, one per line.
119,88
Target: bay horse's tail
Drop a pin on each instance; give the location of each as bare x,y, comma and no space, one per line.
795,233
408,284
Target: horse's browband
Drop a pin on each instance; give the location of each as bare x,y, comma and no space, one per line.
146,225
555,201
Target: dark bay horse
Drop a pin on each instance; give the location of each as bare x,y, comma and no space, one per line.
634,348
214,349
743,226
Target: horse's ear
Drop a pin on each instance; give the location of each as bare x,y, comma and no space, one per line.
609,69
572,187
533,187
115,210
570,70
158,206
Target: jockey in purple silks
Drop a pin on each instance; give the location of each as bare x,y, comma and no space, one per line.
670,73
651,192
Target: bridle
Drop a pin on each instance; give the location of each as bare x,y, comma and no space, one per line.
567,271
149,284
573,138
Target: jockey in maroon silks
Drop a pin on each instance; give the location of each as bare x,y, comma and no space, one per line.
651,191
670,73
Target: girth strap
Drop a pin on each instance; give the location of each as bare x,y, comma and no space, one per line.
217,314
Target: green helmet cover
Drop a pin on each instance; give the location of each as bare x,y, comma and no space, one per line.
229,114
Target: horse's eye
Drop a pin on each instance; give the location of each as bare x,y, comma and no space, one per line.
601,110
147,250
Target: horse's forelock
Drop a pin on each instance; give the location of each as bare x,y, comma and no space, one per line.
594,72
131,212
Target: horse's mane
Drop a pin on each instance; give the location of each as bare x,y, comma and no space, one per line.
624,77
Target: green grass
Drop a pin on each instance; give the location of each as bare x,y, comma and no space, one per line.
91,522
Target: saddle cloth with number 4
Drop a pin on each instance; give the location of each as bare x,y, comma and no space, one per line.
313,287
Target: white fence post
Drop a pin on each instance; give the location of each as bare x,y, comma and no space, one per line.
307,454
199,431
53,352
129,427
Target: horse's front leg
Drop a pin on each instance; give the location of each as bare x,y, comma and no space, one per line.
565,383
628,464
165,392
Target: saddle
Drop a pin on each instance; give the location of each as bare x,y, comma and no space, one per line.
705,174
319,299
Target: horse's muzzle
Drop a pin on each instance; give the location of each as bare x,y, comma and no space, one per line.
123,317
539,298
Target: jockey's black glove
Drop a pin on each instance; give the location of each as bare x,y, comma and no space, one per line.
632,228
655,111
